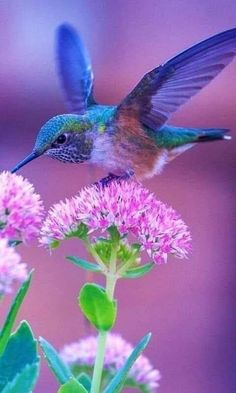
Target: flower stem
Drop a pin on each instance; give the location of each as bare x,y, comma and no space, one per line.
92,252
98,367
110,286
111,279
125,266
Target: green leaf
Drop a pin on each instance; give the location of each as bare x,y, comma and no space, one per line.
23,382
129,254
72,386
103,250
81,232
19,364
55,363
136,247
125,253
118,381
97,307
114,234
54,244
12,313
138,271
84,264
85,380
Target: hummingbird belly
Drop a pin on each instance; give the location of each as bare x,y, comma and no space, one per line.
123,152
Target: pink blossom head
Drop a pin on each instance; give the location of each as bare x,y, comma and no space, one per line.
11,268
21,209
128,206
82,354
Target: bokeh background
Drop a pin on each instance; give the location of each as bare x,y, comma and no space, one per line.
189,306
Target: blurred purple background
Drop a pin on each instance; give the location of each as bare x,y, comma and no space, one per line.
189,306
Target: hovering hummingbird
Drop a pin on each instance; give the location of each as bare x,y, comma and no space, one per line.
132,137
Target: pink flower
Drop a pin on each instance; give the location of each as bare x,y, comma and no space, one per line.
84,351
21,209
128,206
11,268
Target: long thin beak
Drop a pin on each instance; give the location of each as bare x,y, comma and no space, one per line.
29,158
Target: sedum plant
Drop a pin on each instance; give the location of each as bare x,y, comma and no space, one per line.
117,223
21,213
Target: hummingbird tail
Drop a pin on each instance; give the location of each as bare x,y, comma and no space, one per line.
211,134
179,139
172,137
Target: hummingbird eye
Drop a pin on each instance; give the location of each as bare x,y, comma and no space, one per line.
61,139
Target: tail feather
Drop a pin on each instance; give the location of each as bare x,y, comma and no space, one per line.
211,134
179,139
171,137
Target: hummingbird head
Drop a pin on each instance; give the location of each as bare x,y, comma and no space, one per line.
63,137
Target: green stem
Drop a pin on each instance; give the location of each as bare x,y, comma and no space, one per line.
111,275
94,254
98,367
111,279
125,266
110,286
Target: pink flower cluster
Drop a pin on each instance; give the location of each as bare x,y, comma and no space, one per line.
131,208
84,351
11,268
21,209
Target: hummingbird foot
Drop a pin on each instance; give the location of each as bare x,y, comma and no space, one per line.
111,177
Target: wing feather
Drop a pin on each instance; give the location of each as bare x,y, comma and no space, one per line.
74,68
164,89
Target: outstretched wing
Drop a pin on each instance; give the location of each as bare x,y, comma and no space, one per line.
74,68
164,89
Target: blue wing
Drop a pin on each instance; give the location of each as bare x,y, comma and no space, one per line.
163,90
74,68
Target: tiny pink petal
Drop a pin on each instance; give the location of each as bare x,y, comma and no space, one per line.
21,209
128,206
11,268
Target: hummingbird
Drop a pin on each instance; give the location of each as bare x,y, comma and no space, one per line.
133,137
